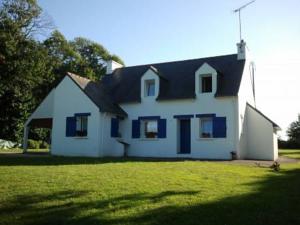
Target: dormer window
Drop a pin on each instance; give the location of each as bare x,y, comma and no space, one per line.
149,88
206,83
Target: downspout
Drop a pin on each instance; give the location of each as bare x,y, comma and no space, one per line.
237,126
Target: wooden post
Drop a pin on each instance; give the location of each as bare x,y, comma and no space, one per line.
25,138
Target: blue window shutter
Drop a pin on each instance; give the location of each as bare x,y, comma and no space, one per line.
70,126
114,128
135,129
162,128
219,127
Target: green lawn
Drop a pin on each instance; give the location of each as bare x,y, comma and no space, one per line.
292,153
58,190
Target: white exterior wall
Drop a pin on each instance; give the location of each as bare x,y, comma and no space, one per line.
261,140
109,145
70,99
215,148
255,140
45,109
245,95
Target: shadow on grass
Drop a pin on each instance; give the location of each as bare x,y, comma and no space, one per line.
38,160
276,200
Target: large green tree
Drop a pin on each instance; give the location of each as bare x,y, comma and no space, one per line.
24,65
29,69
293,133
81,56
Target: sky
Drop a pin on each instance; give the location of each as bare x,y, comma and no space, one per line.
143,32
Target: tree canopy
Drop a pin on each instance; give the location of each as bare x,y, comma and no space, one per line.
29,68
293,132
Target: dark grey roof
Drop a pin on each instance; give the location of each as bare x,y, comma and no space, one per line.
98,94
263,115
177,81
177,78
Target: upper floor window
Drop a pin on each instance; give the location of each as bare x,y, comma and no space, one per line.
206,83
81,126
149,88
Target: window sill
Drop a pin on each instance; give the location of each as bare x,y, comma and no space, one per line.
205,139
79,137
205,93
149,139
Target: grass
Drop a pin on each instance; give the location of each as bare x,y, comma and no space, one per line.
291,153
59,190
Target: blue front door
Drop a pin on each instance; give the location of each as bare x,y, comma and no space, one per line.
185,136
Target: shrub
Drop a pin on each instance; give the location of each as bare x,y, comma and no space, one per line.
44,144
33,144
289,144
275,166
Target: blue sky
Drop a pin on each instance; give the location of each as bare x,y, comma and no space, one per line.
143,31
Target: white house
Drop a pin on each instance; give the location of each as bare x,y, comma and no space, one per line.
198,108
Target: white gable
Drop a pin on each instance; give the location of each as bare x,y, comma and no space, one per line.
45,109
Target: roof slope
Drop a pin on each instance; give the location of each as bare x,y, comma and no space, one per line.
98,94
179,78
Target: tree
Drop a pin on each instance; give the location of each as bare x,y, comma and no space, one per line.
23,68
81,56
293,132
29,69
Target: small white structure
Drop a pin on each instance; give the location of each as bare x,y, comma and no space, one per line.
199,108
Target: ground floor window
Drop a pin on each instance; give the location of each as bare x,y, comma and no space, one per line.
206,127
149,128
81,126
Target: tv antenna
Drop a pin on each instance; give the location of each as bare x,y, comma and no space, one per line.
239,11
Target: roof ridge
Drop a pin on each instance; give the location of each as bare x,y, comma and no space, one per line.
175,61
78,76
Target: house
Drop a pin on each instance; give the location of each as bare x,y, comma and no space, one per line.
198,108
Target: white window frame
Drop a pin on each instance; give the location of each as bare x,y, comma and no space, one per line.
147,85
203,119
81,128
205,70
143,128
201,83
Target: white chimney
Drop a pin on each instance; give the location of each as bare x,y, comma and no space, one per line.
111,65
241,50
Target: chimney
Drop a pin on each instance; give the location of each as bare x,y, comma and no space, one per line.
241,50
111,65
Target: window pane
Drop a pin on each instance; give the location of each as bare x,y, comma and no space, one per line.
206,84
152,126
150,88
149,128
84,123
206,128
78,123
81,125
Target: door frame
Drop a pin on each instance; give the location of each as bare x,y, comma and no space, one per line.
179,136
